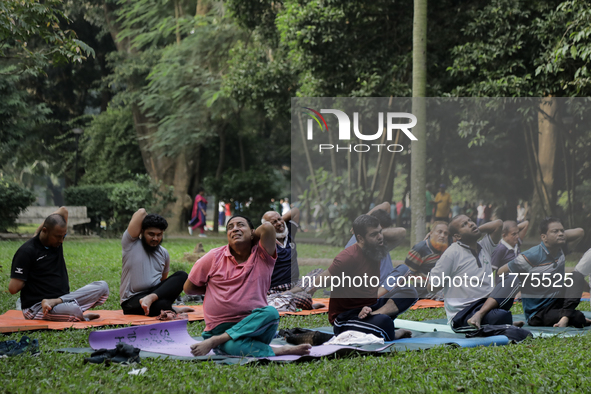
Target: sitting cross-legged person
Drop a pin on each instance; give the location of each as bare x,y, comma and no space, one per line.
146,288
356,305
39,273
235,279
550,296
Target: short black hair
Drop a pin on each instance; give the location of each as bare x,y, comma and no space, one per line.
362,223
54,220
241,216
383,217
452,227
508,225
545,223
154,220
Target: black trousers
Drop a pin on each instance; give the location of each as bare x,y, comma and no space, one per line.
167,292
565,305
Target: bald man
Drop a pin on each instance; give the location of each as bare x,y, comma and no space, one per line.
285,277
39,273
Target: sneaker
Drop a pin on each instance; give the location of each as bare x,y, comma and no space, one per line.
202,236
24,345
7,346
190,230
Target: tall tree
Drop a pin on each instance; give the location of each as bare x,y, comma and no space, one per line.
419,109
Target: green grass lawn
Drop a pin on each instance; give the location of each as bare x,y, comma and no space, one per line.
542,365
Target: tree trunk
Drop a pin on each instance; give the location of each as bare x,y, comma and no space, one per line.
174,171
544,159
419,109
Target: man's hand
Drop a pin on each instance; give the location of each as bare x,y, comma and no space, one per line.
365,312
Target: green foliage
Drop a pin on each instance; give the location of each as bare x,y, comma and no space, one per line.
19,114
253,189
96,199
567,61
15,199
127,197
115,203
352,202
30,33
110,148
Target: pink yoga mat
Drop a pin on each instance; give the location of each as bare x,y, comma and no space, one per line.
169,338
172,338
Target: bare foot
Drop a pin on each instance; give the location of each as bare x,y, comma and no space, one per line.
563,322
401,333
147,301
91,316
202,348
318,305
183,309
300,350
519,323
475,320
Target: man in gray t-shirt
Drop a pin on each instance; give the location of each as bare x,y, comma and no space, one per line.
146,288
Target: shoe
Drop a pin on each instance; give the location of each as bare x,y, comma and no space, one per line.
7,346
202,236
190,230
24,345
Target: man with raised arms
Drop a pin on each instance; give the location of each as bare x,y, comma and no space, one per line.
510,245
39,273
464,272
354,304
424,256
235,279
549,297
146,288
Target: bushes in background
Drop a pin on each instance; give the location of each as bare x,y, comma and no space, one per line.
115,203
13,200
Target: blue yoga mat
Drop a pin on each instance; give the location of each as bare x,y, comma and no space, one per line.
497,340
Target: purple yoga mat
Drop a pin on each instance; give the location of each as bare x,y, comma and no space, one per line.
169,338
172,338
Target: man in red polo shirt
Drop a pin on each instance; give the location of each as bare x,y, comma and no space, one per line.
235,279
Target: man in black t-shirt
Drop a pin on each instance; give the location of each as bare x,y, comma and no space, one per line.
39,273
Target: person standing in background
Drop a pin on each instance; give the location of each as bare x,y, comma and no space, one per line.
198,215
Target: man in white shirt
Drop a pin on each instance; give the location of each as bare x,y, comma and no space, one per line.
465,274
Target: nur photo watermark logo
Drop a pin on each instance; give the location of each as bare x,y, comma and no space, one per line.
394,121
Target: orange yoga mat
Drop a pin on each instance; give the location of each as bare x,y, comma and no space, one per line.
13,321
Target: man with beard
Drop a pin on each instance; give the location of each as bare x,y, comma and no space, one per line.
39,273
286,291
466,259
545,303
145,287
357,307
424,256
392,238
235,279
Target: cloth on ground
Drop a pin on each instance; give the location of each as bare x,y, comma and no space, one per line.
355,338
122,354
298,336
515,334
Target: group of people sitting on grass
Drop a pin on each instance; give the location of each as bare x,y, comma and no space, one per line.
245,281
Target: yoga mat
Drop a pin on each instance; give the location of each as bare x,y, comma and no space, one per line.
169,338
14,321
497,340
172,338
